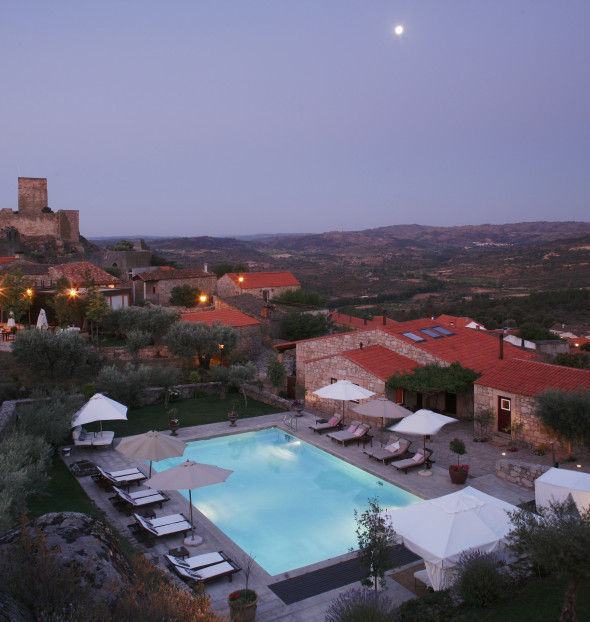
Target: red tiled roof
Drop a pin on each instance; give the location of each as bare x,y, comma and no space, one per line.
475,349
228,317
79,271
255,280
456,321
533,377
357,322
4,260
380,361
162,274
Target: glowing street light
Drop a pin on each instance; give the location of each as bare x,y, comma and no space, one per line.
203,298
73,292
399,30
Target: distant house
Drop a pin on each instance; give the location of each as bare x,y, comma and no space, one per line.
264,285
342,319
461,322
509,389
155,286
79,273
247,328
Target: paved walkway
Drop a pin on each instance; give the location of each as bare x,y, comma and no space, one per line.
480,456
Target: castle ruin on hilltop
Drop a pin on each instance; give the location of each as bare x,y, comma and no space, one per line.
35,227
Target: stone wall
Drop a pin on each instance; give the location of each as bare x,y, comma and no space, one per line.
32,195
521,473
533,433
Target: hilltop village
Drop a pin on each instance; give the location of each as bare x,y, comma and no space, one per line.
125,340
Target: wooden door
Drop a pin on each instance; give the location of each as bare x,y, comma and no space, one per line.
504,413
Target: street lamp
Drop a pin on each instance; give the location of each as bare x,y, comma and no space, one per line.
30,294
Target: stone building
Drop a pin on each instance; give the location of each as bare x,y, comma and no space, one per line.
419,342
509,390
155,286
39,228
264,285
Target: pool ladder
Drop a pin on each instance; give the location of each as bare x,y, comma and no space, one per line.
290,421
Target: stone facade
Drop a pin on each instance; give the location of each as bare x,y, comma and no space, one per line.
521,473
227,286
158,290
39,230
533,432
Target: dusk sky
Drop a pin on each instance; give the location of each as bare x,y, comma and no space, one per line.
218,117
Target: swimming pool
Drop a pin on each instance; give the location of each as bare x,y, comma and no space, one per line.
288,503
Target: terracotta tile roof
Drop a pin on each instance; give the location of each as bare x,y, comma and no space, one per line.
533,377
228,317
475,349
255,280
77,273
380,361
167,275
4,260
356,322
456,321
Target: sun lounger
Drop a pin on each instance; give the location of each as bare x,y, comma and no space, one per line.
334,423
346,436
150,530
223,569
198,561
124,477
396,448
130,503
83,438
416,460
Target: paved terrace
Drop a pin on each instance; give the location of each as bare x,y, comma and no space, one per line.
480,456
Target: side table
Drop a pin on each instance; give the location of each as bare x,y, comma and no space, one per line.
179,551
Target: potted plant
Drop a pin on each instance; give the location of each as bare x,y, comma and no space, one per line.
297,405
458,472
242,603
173,422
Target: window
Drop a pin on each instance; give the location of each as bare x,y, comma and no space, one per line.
430,333
333,381
413,337
442,331
504,403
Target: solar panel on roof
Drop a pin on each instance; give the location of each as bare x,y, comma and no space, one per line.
413,337
443,331
430,333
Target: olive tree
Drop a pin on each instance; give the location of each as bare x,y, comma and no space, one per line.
153,320
275,372
17,293
558,540
49,355
568,413
125,385
165,377
136,341
376,538
240,375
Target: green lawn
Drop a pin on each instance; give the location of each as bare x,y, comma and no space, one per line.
191,412
539,601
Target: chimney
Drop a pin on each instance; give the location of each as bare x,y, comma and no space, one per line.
361,345
501,346
205,268
365,320
522,342
403,315
384,317
430,312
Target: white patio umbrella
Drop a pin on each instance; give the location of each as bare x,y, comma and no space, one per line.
42,320
99,408
382,408
11,321
423,422
440,530
189,475
343,390
152,446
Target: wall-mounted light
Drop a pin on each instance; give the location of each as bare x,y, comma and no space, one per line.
203,298
73,292
241,279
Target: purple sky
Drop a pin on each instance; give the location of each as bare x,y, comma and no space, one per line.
211,117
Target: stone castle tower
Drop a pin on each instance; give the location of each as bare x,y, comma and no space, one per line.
38,229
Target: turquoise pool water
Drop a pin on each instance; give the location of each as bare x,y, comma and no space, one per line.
288,503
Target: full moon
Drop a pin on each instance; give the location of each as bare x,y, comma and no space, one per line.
398,30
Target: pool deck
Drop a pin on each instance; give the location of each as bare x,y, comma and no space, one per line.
480,456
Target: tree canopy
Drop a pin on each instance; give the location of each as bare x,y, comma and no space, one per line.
434,378
532,331
568,413
306,326
223,268
558,540
184,296
17,293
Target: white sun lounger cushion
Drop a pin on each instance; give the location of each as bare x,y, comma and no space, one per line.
208,572
197,561
418,457
171,528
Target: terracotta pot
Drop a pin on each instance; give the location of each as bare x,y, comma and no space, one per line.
244,614
232,419
458,477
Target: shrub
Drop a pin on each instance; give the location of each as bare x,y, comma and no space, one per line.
360,605
275,371
435,607
124,386
479,580
88,390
